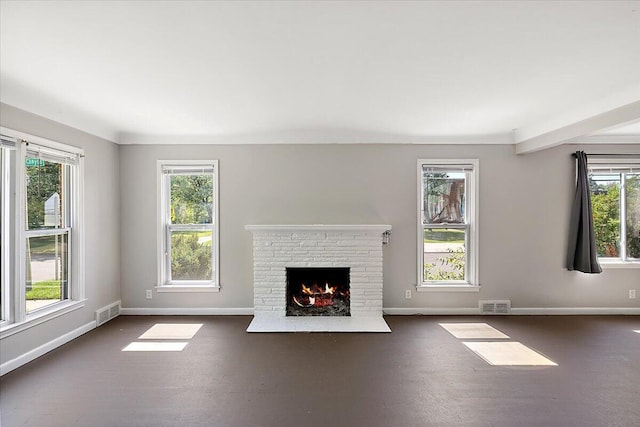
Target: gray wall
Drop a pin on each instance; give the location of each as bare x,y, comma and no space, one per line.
524,209
102,228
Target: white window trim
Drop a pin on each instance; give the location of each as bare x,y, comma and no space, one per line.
602,163
6,317
41,316
190,285
471,284
614,263
20,320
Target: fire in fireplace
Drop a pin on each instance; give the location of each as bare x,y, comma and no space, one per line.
322,291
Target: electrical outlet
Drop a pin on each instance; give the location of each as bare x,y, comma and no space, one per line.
632,294
149,294
407,294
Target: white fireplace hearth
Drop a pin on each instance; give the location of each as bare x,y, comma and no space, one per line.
356,247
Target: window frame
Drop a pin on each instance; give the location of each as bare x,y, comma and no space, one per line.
6,180
604,165
165,229
14,218
470,283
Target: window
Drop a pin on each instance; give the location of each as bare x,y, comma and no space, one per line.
447,228
188,225
615,200
40,230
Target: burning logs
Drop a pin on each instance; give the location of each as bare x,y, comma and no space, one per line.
315,300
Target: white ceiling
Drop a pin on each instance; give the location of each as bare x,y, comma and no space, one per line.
533,73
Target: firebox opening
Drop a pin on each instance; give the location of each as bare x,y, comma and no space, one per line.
322,291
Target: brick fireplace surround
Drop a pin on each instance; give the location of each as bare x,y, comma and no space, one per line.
276,247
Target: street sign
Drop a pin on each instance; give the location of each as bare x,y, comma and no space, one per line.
30,162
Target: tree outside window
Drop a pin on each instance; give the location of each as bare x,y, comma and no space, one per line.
615,200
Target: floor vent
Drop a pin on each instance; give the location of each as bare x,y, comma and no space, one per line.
495,307
104,314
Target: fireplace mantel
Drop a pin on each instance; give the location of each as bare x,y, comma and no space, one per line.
355,246
319,227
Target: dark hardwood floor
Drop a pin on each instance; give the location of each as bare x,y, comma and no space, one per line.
419,375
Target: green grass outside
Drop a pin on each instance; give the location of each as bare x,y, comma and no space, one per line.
48,289
440,236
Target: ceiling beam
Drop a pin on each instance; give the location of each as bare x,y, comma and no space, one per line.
617,116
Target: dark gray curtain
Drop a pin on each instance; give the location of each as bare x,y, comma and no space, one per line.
582,254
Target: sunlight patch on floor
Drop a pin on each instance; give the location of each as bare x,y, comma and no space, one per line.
165,331
637,332
171,331
155,346
470,331
508,354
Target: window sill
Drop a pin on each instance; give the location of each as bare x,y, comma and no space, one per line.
41,317
606,265
188,288
447,288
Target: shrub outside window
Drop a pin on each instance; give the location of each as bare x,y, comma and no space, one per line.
188,223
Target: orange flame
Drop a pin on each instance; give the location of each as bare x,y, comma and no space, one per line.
317,296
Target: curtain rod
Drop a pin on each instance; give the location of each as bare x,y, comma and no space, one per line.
610,155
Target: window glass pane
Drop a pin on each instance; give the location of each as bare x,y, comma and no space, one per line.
191,255
444,197
632,186
44,194
444,254
192,199
46,271
605,202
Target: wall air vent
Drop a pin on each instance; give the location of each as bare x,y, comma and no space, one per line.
104,314
495,307
114,310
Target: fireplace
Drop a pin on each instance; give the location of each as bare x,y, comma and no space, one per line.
320,291
340,267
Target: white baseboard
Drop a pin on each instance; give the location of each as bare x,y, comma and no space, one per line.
430,311
45,348
575,311
211,311
547,311
459,311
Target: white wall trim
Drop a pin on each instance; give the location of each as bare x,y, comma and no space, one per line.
392,311
45,348
319,227
186,288
430,311
577,311
56,310
448,288
195,311
42,141
541,311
